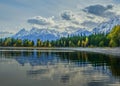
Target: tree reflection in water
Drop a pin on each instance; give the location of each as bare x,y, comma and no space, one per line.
69,67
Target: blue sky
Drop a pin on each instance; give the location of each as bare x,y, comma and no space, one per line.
72,14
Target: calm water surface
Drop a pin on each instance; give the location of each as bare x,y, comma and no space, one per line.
48,68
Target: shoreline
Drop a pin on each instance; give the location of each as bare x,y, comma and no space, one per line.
105,50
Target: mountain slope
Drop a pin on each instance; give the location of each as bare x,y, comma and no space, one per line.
82,32
49,34
34,34
106,27
21,33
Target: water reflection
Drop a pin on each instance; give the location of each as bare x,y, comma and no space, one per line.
70,68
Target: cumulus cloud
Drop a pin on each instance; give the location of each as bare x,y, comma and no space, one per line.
81,19
67,15
109,7
89,24
99,10
72,17
38,20
87,18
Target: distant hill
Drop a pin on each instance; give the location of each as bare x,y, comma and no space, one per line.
5,34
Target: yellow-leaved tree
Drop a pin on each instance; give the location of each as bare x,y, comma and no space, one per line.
114,36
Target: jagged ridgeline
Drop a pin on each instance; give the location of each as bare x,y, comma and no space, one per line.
111,39
50,34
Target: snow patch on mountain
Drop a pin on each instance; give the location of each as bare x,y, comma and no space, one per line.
81,32
106,27
53,34
48,34
34,34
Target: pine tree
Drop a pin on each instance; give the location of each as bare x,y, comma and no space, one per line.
38,43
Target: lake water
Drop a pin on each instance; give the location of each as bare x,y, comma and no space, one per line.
58,68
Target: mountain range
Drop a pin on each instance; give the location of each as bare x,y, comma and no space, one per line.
49,34
106,27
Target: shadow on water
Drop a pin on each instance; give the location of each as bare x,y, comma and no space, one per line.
87,69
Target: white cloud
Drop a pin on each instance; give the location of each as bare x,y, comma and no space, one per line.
67,15
19,10
76,19
72,17
100,10
116,9
69,21
38,20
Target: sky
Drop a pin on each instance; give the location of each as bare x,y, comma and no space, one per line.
55,14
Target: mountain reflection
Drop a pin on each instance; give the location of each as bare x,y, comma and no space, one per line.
89,69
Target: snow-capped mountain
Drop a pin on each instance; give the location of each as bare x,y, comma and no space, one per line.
47,34
82,32
106,27
21,33
52,34
34,34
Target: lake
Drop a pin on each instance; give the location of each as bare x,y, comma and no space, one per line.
58,68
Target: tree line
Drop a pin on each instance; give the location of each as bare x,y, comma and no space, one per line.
95,40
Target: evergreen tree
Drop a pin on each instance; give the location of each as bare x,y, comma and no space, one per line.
38,43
